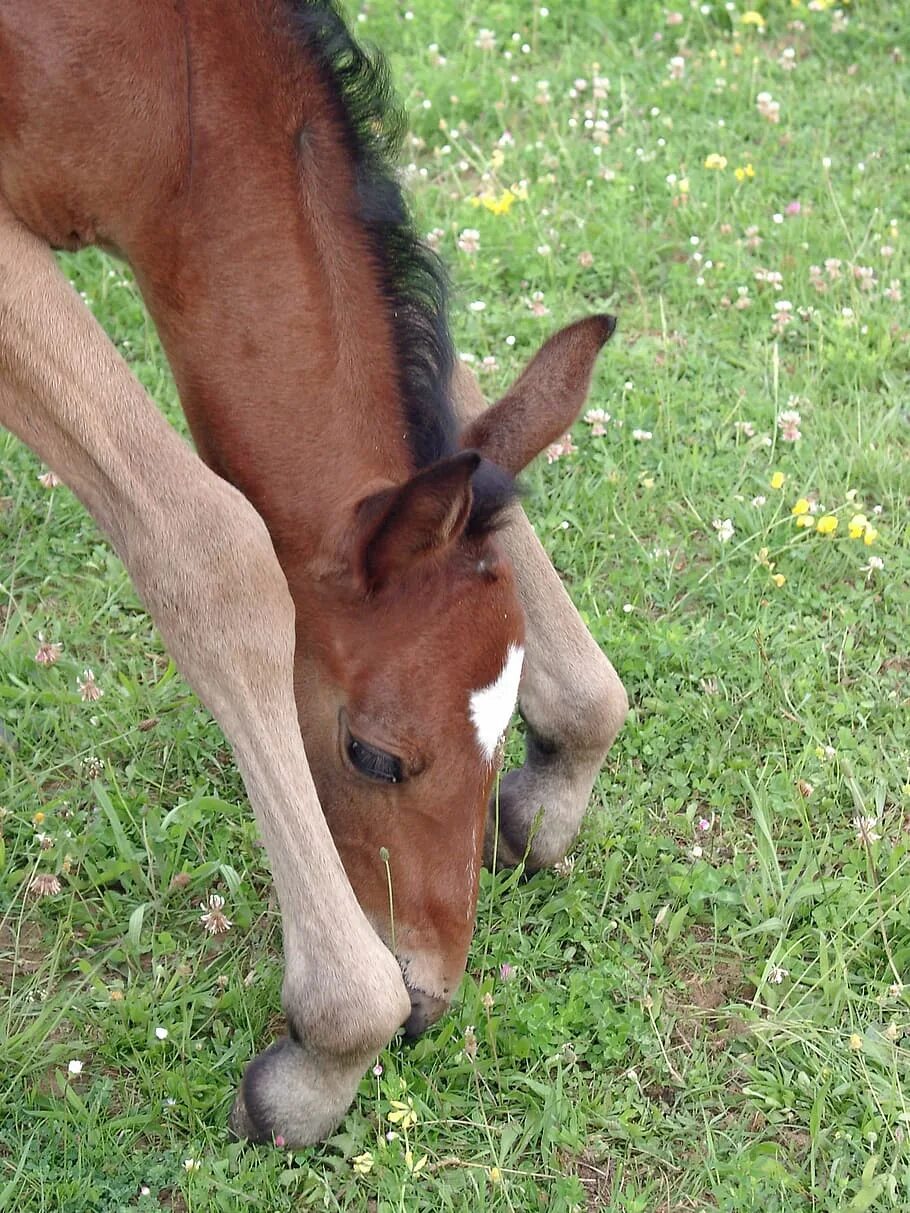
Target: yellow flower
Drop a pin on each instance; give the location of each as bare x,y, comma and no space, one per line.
806,521
413,1166
716,161
495,1175
753,18
778,579
683,185
857,525
777,480
826,525
38,818
801,507
402,1113
363,1163
497,204
856,1042
745,171
869,536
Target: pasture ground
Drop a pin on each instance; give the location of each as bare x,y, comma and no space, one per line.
709,1009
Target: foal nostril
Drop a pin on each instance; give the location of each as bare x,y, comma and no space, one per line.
425,1010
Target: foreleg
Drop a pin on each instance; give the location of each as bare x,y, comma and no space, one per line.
570,698
202,561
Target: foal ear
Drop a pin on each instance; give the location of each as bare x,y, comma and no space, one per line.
401,525
544,400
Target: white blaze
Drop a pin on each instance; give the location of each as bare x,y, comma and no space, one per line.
491,707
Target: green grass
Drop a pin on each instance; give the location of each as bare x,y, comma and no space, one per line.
641,1055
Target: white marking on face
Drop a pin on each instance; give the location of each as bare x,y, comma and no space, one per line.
491,707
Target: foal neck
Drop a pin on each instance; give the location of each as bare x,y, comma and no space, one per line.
271,281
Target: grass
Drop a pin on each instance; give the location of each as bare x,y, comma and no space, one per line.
708,1010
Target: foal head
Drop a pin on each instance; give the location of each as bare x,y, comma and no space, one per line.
408,661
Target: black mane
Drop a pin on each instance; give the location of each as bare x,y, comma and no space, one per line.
414,281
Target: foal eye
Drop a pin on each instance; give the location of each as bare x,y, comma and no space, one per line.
375,764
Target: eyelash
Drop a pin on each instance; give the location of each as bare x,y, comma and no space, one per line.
374,764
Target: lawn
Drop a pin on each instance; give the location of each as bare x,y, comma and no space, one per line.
708,1005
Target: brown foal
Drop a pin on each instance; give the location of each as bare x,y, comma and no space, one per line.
235,154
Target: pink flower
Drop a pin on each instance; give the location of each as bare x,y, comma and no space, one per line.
792,208
537,305
556,450
586,260
783,314
865,276
788,422
768,107
469,240
214,918
88,688
50,480
47,652
44,885
866,829
772,277
506,971
597,419
742,299
674,18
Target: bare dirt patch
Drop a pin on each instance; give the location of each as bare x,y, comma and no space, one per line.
21,951
596,1175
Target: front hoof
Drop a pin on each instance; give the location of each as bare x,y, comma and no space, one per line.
509,839
290,1098
239,1123
540,814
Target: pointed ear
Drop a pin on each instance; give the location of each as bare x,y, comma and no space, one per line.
399,526
545,400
